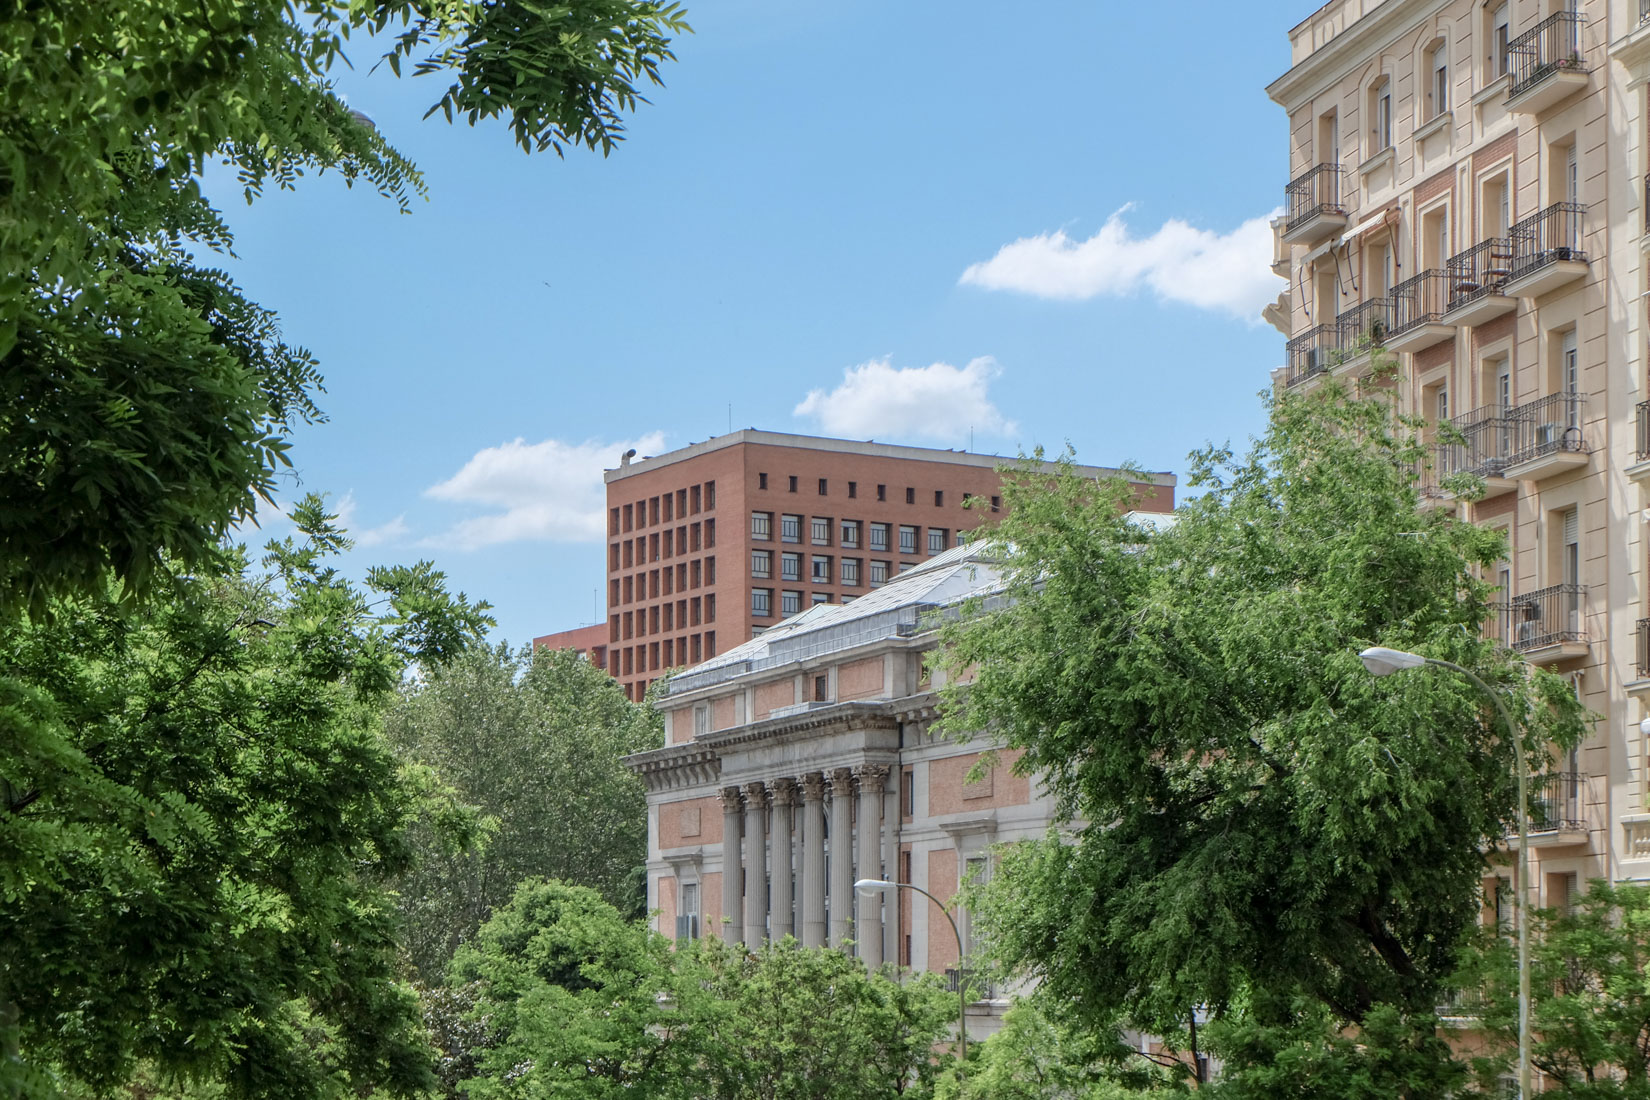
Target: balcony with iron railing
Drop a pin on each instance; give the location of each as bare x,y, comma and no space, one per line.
1485,440
1547,437
1311,353
1558,809
1418,307
1477,279
1547,250
1546,626
1315,205
1548,65
1363,328
1641,648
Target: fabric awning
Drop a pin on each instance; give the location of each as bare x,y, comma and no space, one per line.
1369,224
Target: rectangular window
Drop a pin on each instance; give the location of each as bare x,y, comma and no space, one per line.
1440,79
710,608
910,496
820,531
908,803
793,483
879,573
790,567
761,602
850,532
853,489
670,499
939,498
762,564
693,499
710,496
879,536
653,511
822,569
710,569
821,597
1382,113
822,487
761,481
996,504
612,521
850,571
790,602
762,526
1500,38
882,492
710,534
628,512
907,539
938,539
790,528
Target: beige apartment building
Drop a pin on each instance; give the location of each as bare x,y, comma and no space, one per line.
1468,185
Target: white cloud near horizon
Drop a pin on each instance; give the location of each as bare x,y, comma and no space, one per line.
1227,272
937,402
396,530
551,491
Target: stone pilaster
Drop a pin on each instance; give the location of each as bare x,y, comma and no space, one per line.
842,855
813,860
756,864
868,917
782,901
733,927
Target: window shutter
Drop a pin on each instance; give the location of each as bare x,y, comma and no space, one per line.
1572,527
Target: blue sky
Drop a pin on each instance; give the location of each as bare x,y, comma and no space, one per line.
913,221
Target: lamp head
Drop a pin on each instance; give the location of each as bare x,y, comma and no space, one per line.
1381,661
872,884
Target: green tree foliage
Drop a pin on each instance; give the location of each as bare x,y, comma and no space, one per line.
1590,997
144,402
200,820
1034,1057
1257,818
535,741
581,1003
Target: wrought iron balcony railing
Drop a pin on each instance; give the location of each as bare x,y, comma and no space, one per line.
1549,616
1314,192
1552,235
1365,326
1421,299
1558,802
1548,425
1552,45
1312,352
1487,441
1480,270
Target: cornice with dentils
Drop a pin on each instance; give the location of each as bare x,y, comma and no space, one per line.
1331,61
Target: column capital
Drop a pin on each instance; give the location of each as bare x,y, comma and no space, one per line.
842,782
784,792
813,787
871,777
730,799
756,796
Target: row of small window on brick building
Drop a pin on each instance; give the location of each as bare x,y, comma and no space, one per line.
681,577
676,652
661,545
664,508
850,572
849,534
663,618
882,491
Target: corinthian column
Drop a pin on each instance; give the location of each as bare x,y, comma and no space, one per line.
732,929
782,903
842,855
756,864
813,860
868,919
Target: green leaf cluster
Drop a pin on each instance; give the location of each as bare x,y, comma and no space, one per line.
534,741
200,823
145,403
579,1002
1256,823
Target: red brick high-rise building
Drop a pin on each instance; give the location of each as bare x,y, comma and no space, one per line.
710,544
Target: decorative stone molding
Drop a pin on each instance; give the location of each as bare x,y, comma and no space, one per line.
842,782
871,777
785,792
813,787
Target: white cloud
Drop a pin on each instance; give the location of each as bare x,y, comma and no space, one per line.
1231,272
539,492
939,401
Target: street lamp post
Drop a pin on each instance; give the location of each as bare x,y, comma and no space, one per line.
1381,661
882,886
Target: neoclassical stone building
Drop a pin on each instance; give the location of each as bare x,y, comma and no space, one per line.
805,759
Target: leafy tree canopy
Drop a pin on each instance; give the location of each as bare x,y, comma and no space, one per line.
144,402
535,741
200,821
580,1002
1256,818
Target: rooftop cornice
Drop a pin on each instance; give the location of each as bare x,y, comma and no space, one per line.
1334,58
